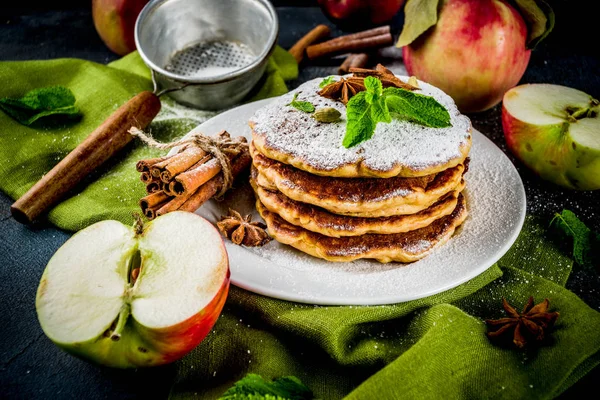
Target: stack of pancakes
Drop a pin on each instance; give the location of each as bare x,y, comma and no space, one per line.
394,197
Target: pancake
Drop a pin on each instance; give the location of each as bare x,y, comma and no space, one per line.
402,247
399,148
361,197
321,221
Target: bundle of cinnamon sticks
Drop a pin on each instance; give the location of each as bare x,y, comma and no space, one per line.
356,45
187,179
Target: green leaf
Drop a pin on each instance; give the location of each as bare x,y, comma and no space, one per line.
41,103
360,124
305,106
373,85
584,240
419,15
254,387
327,81
415,107
539,17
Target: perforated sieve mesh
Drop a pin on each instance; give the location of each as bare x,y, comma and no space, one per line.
208,59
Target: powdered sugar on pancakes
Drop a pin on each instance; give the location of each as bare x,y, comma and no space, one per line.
399,145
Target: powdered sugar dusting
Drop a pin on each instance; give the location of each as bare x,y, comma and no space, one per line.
319,145
495,201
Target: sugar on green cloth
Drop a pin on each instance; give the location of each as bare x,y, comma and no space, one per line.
430,348
113,192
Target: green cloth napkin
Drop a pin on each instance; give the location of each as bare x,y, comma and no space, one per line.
432,348
113,192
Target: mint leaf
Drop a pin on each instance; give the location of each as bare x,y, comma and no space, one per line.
305,106
584,240
373,85
366,109
327,81
41,103
254,387
415,107
360,123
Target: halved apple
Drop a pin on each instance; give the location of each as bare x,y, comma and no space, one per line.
124,298
555,131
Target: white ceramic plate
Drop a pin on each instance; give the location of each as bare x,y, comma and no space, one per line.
496,204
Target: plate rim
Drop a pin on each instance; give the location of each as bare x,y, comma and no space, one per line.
327,300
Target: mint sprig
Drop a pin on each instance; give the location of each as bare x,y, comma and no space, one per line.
584,240
57,101
305,106
366,109
255,387
327,81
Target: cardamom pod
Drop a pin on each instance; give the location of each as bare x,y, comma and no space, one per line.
327,115
413,81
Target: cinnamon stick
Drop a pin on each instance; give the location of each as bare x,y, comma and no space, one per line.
106,140
181,162
382,30
213,186
345,45
153,199
153,187
317,33
353,61
174,204
195,177
151,212
146,177
144,165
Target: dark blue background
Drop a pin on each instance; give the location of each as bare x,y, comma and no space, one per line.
31,367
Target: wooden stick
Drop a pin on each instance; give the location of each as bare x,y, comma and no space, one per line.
213,186
335,47
316,34
353,61
110,137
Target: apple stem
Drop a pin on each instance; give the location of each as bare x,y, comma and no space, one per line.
123,316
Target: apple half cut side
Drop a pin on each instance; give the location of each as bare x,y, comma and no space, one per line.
90,303
555,131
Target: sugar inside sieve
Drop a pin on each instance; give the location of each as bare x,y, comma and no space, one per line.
207,54
210,59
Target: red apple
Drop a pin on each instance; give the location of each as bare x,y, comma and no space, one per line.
475,52
115,22
125,298
353,15
555,131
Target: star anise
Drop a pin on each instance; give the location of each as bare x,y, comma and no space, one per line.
387,77
344,89
530,325
241,230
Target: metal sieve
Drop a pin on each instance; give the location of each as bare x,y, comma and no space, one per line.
206,54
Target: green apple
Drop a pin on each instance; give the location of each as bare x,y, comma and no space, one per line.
555,131
130,297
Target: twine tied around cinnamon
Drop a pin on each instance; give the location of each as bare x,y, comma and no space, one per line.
217,146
